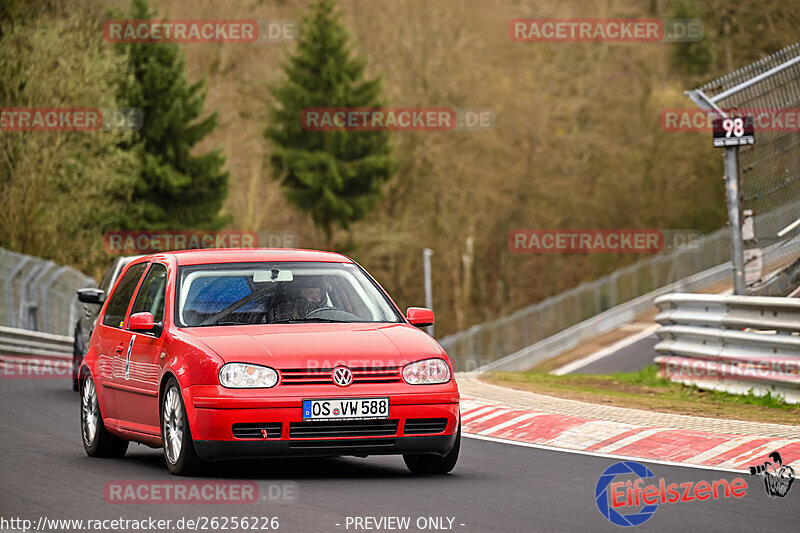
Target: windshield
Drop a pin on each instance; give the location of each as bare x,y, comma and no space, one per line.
278,293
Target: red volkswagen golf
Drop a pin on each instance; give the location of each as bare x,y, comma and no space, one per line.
220,354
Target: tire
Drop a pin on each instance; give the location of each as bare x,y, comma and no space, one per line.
179,451
428,464
97,441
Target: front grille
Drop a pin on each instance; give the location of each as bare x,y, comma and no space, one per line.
253,431
346,443
343,428
420,426
322,376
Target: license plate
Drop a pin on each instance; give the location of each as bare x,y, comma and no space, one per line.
346,409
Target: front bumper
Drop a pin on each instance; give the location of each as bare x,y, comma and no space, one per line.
214,410
214,450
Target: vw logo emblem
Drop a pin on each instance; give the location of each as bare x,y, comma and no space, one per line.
342,376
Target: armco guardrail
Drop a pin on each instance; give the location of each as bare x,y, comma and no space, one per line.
21,342
731,343
25,353
37,294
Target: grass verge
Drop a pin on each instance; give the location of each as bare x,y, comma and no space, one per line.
645,389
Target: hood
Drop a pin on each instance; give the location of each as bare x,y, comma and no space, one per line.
318,345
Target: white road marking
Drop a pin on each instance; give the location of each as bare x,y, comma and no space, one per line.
590,433
630,440
722,448
507,423
479,412
748,457
487,416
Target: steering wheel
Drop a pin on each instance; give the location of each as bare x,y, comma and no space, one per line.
318,309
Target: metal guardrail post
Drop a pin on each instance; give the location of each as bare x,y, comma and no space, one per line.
10,291
34,307
46,291
24,303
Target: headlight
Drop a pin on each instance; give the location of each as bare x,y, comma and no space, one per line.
244,376
426,372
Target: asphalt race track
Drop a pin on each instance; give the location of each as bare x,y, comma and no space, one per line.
630,358
495,487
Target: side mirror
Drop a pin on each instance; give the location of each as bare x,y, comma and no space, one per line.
420,316
142,322
91,296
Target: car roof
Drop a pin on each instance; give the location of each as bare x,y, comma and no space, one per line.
125,259
246,255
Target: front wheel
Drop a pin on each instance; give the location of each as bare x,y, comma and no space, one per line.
97,441
427,464
179,451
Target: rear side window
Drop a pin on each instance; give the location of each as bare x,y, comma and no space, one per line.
151,294
121,297
105,283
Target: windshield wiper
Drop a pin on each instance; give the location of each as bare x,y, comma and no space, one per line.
315,319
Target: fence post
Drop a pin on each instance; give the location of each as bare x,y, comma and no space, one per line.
734,217
426,261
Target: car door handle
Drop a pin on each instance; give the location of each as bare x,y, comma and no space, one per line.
120,347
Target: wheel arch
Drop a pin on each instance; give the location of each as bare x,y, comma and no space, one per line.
162,387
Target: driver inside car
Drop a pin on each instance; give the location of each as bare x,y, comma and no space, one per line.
300,298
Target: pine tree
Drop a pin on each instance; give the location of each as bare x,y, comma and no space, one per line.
690,57
175,189
336,176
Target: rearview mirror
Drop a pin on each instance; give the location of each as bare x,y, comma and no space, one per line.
262,276
91,295
420,316
142,322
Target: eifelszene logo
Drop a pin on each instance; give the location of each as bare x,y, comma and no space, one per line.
778,477
632,501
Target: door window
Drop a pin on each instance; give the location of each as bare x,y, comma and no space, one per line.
121,297
151,294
